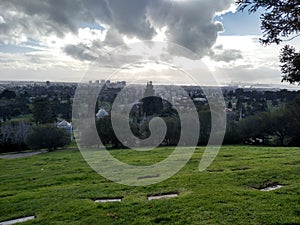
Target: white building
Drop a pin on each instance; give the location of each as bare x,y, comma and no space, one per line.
67,126
101,113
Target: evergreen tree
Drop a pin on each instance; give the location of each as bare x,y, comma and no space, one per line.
42,111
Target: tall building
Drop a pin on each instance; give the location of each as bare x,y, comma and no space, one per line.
151,104
149,91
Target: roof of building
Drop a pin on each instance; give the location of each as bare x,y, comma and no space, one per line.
64,124
101,113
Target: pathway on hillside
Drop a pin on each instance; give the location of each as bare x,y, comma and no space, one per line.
20,155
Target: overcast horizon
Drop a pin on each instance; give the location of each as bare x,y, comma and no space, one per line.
59,40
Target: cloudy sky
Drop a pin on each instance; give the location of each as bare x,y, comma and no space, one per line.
58,40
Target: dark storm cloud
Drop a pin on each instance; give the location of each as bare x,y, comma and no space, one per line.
81,52
97,10
113,38
188,23
129,17
95,49
33,18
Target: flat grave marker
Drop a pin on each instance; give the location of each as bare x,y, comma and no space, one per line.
153,197
19,220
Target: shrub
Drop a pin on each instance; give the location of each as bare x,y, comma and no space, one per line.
47,136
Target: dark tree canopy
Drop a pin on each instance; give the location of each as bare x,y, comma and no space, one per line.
290,67
8,94
42,111
47,136
280,22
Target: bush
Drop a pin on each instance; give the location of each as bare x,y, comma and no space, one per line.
47,136
13,136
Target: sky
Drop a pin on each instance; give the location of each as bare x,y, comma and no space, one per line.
60,40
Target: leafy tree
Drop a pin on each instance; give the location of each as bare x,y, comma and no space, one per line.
253,128
106,132
294,109
271,128
13,135
229,106
280,21
152,105
173,130
239,104
8,94
42,111
239,92
279,124
47,136
232,135
290,67
205,126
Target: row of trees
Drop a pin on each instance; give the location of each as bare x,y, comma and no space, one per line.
46,111
21,136
281,127
43,109
141,130
17,136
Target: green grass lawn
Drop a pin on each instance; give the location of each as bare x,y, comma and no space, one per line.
58,188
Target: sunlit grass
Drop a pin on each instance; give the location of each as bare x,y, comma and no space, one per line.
58,187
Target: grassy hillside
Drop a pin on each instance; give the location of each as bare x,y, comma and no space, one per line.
58,188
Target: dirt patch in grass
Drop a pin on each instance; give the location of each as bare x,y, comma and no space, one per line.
148,177
241,168
6,195
216,170
268,186
295,163
227,156
112,215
